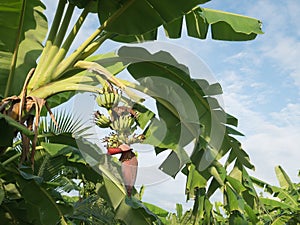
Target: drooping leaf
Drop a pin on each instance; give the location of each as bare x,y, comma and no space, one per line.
237,218
41,205
174,162
2,194
281,220
127,209
182,103
23,28
132,17
285,196
236,184
274,204
156,209
251,213
8,130
224,25
139,205
283,178
239,153
233,200
144,115
186,108
7,134
194,181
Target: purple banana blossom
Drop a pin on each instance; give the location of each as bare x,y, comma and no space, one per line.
128,167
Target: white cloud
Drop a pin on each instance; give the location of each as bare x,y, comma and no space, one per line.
244,88
280,43
286,51
168,193
271,138
288,116
274,145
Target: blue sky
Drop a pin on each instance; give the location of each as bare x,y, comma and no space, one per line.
261,84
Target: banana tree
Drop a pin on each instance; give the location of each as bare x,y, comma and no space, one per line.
281,205
35,73
177,127
278,206
64,188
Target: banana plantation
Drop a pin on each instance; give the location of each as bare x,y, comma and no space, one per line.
53,173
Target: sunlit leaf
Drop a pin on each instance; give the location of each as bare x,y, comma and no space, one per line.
194,181
275,203
224,25
283,178
21,39
122,17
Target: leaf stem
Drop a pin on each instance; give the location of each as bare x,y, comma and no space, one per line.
100,70
65,64
51,36
48,67
86,47
57,20
64,26
56,88
67,43
11,159
92,47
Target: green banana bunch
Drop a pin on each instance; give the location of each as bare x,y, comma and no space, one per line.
108,99
123,123
112,141
101,120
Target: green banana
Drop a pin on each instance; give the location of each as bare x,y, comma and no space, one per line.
116,99
107,99
113,141
122,123
101,120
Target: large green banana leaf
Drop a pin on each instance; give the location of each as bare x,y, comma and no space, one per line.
23,28
224,25
131,17
187,109
139,20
